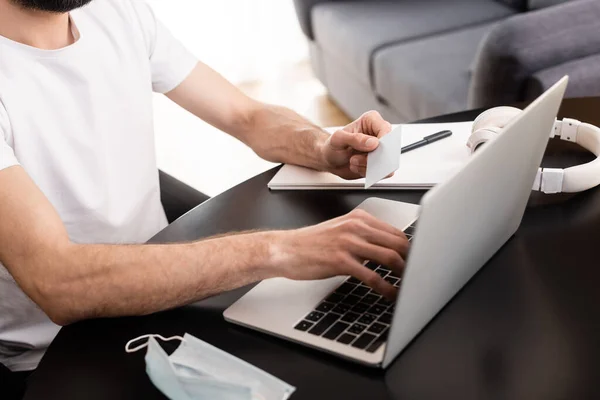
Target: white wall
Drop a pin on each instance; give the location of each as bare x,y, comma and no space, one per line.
242,39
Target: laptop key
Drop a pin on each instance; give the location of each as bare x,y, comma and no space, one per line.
382,272
371,265
361,291
370,298
367,319
391,279
325,307
376,345
360,308
386,318
377,328
350,317
324,324
303,326
385,302
377,309
380,341
351,300
340,309
345,288
334,298
384,334
336,330
346,338
314,316
353,280
364,340
357,328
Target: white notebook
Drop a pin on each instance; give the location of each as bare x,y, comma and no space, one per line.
422,168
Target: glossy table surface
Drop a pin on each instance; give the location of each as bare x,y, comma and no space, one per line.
527,326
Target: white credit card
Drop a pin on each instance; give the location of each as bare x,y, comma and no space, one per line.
385,159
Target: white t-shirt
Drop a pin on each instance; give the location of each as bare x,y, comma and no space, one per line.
79,121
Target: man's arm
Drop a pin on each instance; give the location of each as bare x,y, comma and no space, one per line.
276,133
72,281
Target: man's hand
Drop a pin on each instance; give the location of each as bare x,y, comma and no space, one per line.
71,281
339,247
278,134
345,152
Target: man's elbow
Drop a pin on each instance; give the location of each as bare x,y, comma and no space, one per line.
59,316
53,291
57,304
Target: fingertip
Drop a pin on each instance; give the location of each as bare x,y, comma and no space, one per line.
371,143
390,292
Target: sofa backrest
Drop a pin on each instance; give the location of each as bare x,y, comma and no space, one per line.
523,5
537,4
516,4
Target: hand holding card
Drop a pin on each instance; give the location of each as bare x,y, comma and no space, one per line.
385,159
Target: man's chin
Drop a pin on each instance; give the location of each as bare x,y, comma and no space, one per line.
54,6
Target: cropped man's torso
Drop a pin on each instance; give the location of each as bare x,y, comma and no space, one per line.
79,121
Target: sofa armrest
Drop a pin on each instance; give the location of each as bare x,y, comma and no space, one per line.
304,10
527,43
584,74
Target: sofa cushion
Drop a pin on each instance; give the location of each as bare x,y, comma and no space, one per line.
352,32
430,76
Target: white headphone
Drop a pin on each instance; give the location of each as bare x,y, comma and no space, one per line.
548,180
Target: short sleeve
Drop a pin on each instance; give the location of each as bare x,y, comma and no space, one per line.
7,154
170,61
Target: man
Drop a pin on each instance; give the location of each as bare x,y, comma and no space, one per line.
79,188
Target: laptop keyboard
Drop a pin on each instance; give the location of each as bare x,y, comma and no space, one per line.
353,314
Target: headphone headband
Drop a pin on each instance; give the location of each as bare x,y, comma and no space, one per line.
549,180
578,178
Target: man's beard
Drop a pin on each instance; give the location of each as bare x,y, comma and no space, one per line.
56,6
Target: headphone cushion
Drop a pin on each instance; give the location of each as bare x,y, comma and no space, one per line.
481,136
495,117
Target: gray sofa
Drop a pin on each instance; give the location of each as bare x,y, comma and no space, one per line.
412,59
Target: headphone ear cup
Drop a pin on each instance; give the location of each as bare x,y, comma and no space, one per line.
481,136
495,117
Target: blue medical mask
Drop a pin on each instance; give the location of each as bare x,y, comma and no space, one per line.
197,370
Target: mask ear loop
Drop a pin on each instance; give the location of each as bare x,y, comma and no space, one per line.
141,346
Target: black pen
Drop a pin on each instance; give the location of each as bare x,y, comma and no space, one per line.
427,140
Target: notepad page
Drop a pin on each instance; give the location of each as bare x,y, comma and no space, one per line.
419,169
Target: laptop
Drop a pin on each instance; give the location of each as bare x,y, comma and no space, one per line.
458,227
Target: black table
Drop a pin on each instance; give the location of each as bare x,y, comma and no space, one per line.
526,327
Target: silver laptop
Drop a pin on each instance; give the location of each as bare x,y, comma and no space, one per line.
461,224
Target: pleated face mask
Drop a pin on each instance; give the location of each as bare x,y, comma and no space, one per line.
197,370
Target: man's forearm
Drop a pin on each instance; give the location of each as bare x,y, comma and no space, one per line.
279,134
115,280
275,133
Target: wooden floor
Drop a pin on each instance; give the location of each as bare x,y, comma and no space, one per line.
298,88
